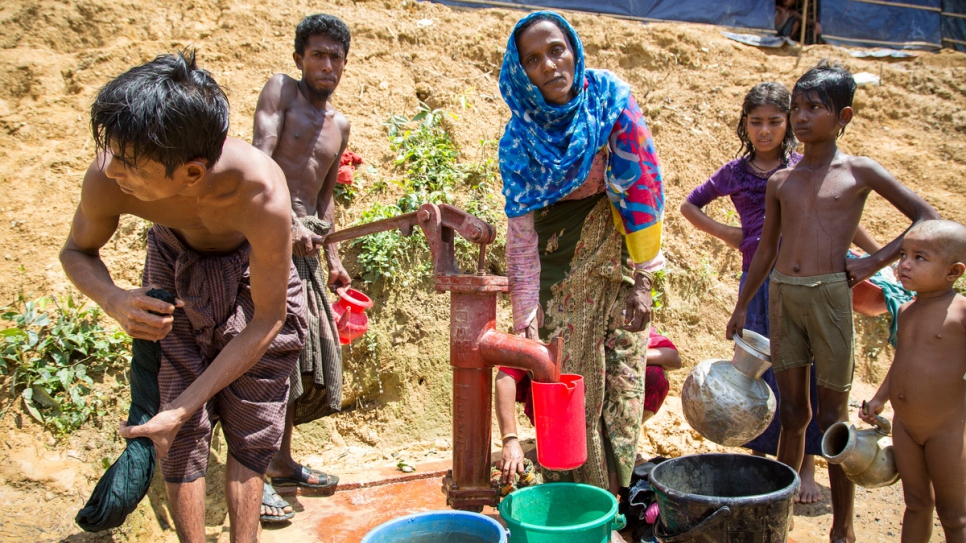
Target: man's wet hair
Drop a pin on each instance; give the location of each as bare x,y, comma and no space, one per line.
168,110
831,82
321,24
949,238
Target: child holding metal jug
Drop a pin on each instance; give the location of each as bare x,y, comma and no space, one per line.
767,145
926,382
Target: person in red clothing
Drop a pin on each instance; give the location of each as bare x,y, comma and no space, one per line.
513,385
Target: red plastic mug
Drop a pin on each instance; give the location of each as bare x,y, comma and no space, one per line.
560,420
350,314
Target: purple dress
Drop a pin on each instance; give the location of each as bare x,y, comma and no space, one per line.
746,188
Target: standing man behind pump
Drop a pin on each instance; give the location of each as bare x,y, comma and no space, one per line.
297,126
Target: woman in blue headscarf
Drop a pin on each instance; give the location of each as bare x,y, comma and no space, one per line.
584,201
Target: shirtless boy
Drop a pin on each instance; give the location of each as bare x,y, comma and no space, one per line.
925,383
296,126
814,208
222,222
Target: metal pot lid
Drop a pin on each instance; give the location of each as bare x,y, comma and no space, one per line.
754,344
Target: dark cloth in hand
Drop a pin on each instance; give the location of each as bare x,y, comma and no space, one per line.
126,482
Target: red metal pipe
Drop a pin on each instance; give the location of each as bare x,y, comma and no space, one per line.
475,346
513,351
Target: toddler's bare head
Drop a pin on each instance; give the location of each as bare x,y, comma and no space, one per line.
948,238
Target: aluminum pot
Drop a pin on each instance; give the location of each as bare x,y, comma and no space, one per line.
727,401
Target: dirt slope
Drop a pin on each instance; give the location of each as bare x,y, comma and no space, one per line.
689,80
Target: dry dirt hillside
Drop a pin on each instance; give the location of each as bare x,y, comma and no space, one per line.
689,80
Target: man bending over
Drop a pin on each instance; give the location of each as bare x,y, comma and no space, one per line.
221,244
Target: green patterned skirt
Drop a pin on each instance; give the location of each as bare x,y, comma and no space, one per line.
584,283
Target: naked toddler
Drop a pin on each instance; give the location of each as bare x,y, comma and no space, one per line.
926,383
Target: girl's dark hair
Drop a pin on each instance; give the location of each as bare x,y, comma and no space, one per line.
168,110
765,94
321,24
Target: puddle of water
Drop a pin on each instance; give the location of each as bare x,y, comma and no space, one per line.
348,516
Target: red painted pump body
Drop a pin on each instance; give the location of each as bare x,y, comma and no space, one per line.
475,344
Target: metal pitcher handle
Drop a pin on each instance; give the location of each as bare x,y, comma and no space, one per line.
721,514
882,425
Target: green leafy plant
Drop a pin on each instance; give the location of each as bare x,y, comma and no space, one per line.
482,176
344,193
50,353
428,154
432,173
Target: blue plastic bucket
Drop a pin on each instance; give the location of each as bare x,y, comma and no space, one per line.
439,527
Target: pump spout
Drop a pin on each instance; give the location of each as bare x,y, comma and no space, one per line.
513,351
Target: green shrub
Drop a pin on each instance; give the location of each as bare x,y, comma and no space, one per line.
389,254
50,353
429,156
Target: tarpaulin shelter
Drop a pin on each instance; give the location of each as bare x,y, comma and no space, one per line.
898,24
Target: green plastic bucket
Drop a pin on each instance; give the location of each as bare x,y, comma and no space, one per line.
561,513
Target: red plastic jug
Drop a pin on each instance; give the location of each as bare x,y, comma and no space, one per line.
350,313
558,414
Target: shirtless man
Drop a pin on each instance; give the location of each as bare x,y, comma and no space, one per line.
814,209
925,383
296,126
220,244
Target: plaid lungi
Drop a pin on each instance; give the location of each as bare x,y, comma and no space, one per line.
317,380
216,291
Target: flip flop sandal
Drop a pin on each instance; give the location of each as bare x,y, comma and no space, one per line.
270,498
301,478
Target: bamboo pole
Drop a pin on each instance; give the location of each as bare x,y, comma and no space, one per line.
804,23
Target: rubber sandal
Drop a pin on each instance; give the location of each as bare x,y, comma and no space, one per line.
301,478
270,498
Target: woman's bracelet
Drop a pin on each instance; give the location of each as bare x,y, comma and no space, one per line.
647,275
508,436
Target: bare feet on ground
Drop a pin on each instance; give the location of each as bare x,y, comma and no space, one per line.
809,491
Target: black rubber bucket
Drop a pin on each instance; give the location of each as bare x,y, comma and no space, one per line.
723,498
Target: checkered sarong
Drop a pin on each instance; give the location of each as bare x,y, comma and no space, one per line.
216,291
317,381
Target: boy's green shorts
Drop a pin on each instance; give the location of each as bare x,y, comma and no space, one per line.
811,317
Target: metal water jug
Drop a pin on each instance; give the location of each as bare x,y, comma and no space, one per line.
866,456
727,401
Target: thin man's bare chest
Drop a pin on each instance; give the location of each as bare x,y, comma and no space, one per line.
308,137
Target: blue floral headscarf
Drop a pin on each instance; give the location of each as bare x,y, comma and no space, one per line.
547,150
